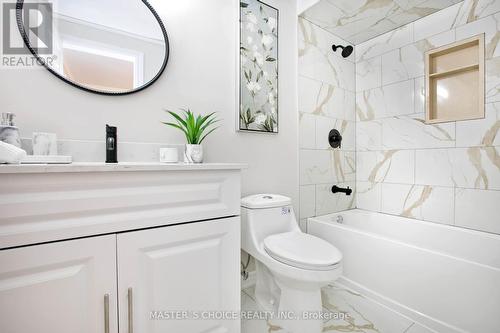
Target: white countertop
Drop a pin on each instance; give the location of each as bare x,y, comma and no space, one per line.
118,167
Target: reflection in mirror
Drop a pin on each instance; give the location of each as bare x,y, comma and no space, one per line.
106,46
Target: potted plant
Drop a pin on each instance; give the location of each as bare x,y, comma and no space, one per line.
196,129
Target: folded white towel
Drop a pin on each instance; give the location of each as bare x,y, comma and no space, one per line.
11,154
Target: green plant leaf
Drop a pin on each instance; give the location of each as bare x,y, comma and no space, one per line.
193,126
203,138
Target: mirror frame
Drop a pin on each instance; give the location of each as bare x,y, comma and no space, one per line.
40,60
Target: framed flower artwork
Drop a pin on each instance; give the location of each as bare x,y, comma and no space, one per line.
258,93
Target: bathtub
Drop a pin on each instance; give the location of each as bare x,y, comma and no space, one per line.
442,277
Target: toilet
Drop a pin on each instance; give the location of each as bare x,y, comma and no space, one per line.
291,266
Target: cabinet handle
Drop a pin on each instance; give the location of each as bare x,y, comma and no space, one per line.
106,313
130,311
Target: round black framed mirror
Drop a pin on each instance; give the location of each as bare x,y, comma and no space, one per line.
108,47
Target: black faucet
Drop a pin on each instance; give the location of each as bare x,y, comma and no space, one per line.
336,189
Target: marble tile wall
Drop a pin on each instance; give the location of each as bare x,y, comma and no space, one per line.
360,20
445,173
326,101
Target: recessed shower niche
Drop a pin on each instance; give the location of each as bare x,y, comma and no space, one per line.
454,76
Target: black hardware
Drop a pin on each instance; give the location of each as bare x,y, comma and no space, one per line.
334,138
346,50
336,189
111,145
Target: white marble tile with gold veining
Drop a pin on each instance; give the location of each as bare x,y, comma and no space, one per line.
350,165
472,10
346,128
369,135
419,95
369,74
475,167
363,21
315,167
324,99
327,68
408,62
368,195
250,321
312,35
395,166
480,132
307,201
381,44
434,167
429,203
477,209
391,100
392,166
324,166
490,26
307,131
361,314
492,80
411,132
328,202
366,162
437,22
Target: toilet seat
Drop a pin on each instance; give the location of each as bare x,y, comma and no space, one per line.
302,250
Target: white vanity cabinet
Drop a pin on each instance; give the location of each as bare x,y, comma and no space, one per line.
59,287
173,270
119,249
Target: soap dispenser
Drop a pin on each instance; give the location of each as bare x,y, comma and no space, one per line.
111,145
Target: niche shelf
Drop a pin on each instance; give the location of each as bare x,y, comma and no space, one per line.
454,81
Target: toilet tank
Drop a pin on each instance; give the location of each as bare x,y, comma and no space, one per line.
263,215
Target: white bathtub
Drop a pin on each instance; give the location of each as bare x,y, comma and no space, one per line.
443,277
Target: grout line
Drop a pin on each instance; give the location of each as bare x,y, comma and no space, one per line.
408,328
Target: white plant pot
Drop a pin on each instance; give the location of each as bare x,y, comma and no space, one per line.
193,153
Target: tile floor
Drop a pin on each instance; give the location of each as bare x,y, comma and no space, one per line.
355,313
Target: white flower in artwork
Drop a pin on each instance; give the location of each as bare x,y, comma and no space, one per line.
249,40
259,58
273,110
265,74
253,87
251,18
271,98
267,40
272,22
250,27
260,119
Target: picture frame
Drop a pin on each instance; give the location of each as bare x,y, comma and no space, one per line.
258,92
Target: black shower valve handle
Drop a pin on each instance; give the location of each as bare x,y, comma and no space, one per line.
335,139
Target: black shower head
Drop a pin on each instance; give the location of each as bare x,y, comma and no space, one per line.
346,50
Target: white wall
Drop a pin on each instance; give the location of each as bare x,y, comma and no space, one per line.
201,75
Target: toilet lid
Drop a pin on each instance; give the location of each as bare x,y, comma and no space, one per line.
302,250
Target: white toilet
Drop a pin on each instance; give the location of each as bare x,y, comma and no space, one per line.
291,266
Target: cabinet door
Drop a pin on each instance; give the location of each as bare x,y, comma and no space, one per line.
59,287
191,267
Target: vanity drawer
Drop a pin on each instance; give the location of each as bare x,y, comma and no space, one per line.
41,207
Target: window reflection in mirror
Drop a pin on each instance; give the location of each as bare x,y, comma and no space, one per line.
106,45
